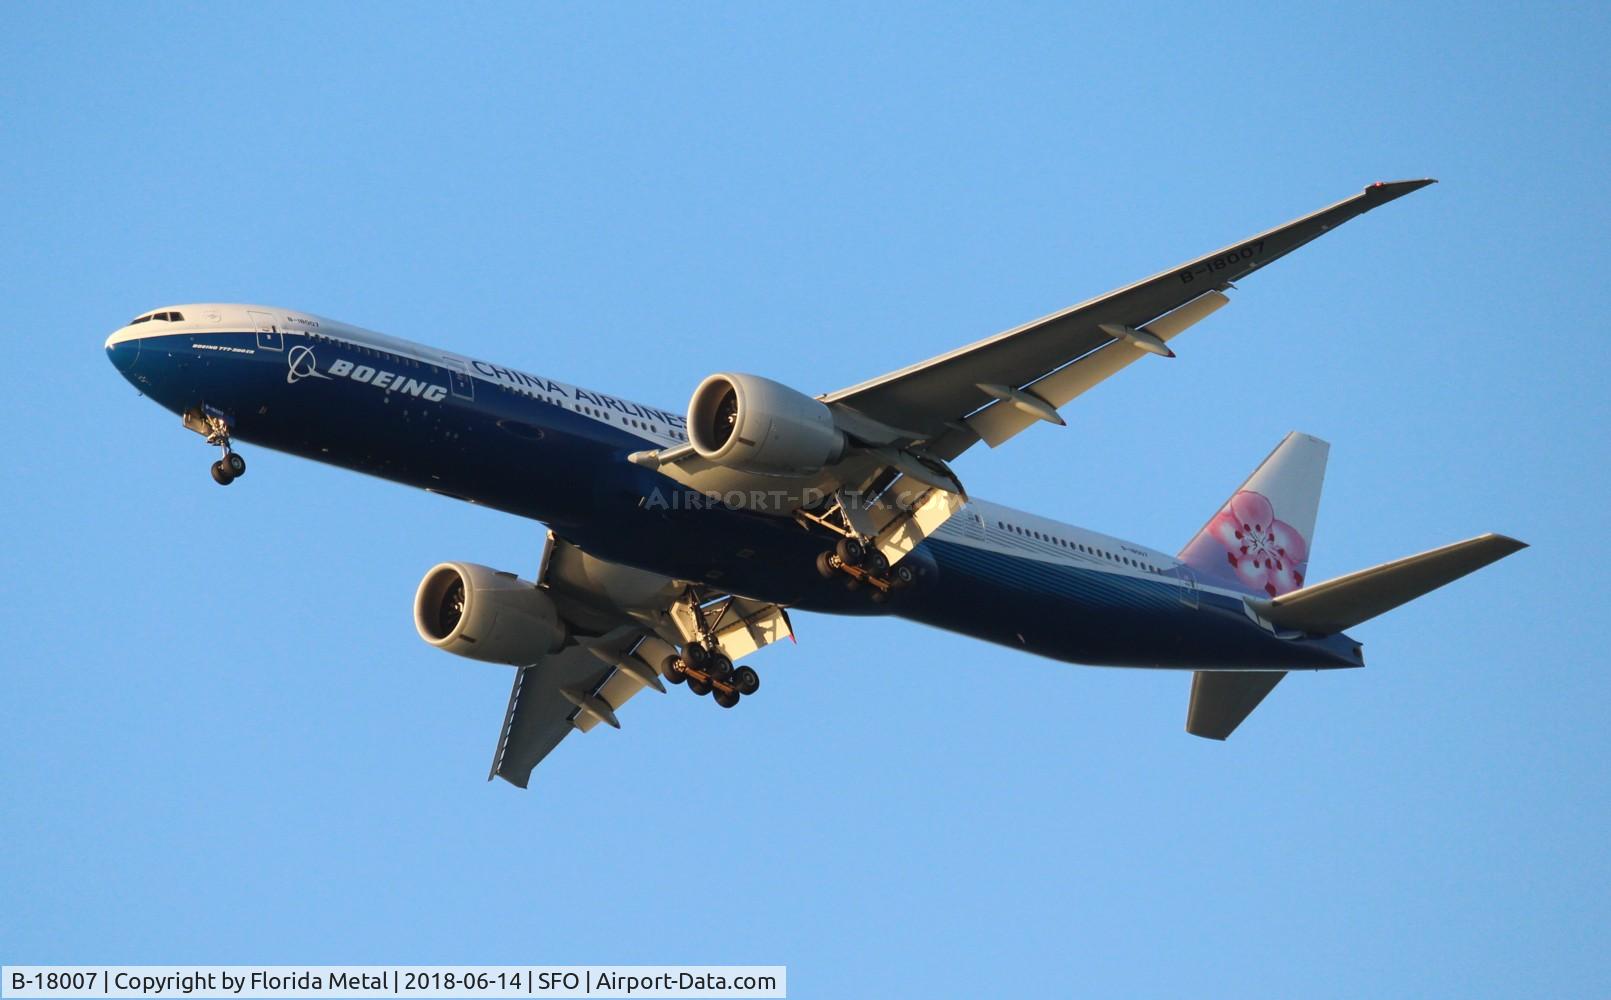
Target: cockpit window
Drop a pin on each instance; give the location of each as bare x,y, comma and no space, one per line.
177,317
165,317
142,319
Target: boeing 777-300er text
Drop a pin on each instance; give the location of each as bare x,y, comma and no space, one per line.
678,543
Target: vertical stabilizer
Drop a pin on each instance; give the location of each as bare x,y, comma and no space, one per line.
1259,541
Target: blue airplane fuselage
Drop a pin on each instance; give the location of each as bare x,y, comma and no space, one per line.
550,452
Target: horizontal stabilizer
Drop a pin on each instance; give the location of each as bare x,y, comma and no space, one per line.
1221,699
1335,605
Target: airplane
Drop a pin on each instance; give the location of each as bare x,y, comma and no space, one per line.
679,542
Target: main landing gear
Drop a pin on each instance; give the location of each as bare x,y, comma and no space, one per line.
856,557
212,425
709,671
862,565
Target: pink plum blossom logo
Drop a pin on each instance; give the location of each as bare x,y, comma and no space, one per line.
1264,553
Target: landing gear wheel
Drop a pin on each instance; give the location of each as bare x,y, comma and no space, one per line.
235,465
825,566
696,655
746,681
850,551
727,699
902,576
698,685
719,667
875,562
221,474
675,670
879,596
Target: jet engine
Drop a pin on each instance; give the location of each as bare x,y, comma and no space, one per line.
479,612
756,425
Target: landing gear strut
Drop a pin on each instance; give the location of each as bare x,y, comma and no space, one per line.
211,425
855,557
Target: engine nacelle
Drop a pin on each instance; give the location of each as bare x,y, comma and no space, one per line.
756,425
476,611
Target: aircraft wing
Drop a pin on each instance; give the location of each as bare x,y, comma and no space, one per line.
617,648
574,688
906,427
992,389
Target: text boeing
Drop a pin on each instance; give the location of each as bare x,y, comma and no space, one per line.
390,381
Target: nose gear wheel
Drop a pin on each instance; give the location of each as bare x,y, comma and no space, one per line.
215,428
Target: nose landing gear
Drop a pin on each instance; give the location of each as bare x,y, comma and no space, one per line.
229,468
212,425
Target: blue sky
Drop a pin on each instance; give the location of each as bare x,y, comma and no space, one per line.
224,742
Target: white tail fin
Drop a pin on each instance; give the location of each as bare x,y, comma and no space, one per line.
1259,540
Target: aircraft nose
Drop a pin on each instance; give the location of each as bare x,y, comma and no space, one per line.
123,350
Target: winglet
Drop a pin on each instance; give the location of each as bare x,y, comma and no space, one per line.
1383,192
